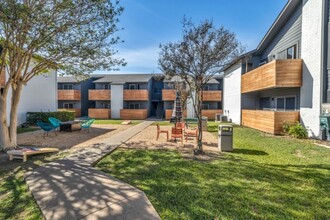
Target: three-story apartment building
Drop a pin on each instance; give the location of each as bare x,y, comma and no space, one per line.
131,96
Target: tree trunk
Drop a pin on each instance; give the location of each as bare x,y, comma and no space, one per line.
200,122
5,141
8,135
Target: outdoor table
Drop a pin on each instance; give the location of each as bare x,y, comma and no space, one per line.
70,126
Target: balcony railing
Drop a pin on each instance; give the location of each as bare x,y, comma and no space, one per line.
213,95
136,95
210,113
168,94
133,114
101,113
268,121
69,95
168,114
76,110
276,74
99,95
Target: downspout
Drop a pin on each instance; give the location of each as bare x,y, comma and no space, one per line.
325,50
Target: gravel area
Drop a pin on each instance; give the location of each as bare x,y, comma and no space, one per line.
70,140
147,140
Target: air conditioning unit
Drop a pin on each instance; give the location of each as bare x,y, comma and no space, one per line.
221,118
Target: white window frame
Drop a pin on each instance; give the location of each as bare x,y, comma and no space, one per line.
132,86
285,97
67,85
134,106
105,86
68,105
106,105
206,104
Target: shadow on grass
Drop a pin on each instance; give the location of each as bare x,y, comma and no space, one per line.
249,152
225,188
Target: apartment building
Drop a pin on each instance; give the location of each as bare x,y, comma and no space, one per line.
131,96
33,96
285,78
211,96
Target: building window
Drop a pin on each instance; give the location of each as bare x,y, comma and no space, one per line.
133,86
134,106
68,105
106,105
285,103
107,86
289,53
67,86
205,106
206,88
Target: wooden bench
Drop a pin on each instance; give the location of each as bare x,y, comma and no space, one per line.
22,154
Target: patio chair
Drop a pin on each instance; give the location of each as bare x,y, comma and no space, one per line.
191,133
55,122
87,125
161,131
180,125
46,127
177,133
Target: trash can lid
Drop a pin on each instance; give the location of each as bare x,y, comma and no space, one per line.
225,125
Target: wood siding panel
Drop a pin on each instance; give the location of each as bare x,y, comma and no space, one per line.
210,113
101,113
99,95
76,110
276,74
136,95
212,95
133,114
168,114
268,121
68,95
168,94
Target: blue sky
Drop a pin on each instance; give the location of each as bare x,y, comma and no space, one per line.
148,23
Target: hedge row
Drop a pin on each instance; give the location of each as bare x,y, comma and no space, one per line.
33,117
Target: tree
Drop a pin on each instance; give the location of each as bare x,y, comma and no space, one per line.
203,52
72,37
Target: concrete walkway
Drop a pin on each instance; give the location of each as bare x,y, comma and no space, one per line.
72,189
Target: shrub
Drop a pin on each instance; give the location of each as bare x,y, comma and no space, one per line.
295,130
33,117
287,125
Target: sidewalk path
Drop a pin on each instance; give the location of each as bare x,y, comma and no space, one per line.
72,189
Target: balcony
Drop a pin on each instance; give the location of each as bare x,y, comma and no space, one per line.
268,121
99,95
168,94
133,114
276,74
136,95
210,113
214,96
76,110
168,114
69,95
101,113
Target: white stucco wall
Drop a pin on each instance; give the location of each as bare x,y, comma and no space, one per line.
232,93
190,107
117,100
40,94
311,54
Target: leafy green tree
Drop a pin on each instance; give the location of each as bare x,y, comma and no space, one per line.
203,52
37,36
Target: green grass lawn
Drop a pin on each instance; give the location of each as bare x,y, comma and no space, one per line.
264,178
114,122
25,130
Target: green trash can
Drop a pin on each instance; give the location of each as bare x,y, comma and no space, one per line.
325,126
225,139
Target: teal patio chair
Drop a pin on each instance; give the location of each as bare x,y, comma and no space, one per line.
87,125
46,127
55,122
